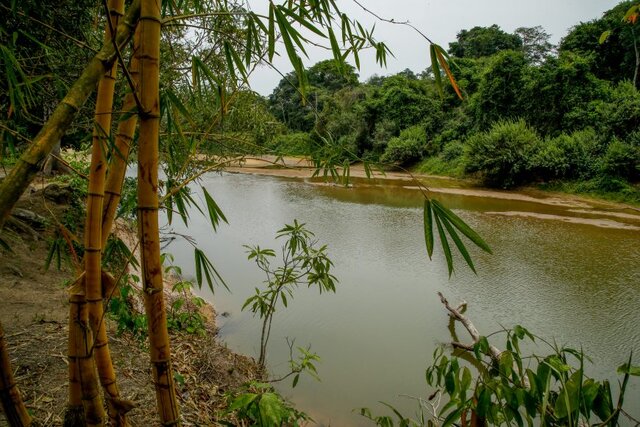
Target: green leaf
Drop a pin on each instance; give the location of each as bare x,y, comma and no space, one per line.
271,40
242,401
215,213
629,369
428,227
459,244
206,268
461,226
484,401
271,409
445,244
603,403
436,69
604,36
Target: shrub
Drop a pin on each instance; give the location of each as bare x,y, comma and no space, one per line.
408,147
621,160
620,114
502,156
569,156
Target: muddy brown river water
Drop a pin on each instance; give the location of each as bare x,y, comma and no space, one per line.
564,268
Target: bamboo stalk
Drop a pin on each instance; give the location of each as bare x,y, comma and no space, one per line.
120,155
12,404
93,228
80,353
74,414
28,165
159,348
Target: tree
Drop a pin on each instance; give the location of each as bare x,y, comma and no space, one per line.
299,113
483,41
499,93
535,43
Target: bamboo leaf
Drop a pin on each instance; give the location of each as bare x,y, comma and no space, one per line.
447,70
215,213
436,69
461,226
459,244
304,22
271,39
336,49
445,243
428,227
204,266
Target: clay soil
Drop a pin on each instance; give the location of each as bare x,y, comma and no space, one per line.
33,311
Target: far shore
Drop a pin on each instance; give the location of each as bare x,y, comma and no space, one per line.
575,209
300,168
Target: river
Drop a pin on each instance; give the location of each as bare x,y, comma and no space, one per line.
559,269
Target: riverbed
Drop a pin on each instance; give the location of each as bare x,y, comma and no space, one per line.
564,268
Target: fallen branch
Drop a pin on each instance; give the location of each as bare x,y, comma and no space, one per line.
470,327
494,352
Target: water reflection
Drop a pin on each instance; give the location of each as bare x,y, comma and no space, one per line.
576,282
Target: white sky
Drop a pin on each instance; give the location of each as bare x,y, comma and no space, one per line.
441,20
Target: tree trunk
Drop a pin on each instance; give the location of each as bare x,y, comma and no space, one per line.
148,231
29,163
12,404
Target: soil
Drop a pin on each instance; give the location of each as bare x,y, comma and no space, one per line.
34,312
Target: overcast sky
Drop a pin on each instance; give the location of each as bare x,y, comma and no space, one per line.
441,20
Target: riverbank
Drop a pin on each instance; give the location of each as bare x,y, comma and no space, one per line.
34,313
570,207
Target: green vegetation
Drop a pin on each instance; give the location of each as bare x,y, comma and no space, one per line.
302,263
482,385
561,116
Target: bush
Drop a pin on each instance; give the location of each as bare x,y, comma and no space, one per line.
621,160
569,156
298,143
408,147
502,156
620,114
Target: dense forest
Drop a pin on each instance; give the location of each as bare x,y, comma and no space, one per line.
532,112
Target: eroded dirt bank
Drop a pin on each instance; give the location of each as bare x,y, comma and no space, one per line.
34,313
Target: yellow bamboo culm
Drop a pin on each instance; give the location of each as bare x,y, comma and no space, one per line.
81,354
148,231
93,227
120,152
12,404
74,414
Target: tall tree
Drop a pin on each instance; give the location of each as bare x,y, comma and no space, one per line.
148,230
535,43
483,41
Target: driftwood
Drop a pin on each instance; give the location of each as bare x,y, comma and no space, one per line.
494,352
